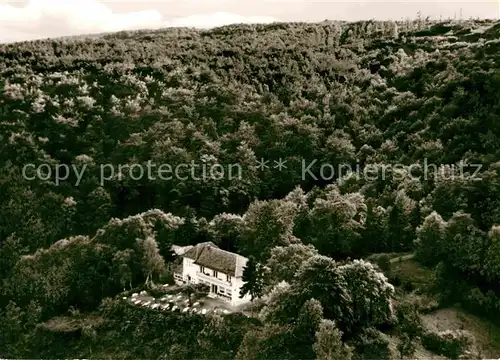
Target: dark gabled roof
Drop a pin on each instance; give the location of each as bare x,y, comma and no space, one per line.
180,250
207,254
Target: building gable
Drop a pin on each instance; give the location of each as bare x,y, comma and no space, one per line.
209,255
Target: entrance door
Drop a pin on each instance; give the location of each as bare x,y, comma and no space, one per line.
214,289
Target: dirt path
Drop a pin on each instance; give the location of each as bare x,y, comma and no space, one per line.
402,258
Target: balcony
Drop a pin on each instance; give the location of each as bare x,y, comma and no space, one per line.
213,280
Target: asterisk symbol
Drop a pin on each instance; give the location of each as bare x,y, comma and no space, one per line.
262,164
280,164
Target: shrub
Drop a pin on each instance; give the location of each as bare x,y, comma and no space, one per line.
384,263
372,344
408,318
449,343
408,286
482,303
425,304
406,346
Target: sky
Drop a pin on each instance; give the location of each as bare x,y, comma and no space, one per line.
34,19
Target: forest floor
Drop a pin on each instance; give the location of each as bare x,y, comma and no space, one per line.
486,333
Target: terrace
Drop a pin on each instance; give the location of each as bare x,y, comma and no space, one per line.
179,302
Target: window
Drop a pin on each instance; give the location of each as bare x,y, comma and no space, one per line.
228,278
202,269
215,273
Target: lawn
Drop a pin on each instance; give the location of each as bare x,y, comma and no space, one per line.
409,274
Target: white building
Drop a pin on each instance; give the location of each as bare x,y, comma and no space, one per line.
219,269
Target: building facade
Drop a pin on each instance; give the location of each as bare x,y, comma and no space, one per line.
219,269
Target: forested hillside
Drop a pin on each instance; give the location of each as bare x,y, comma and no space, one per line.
412,108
